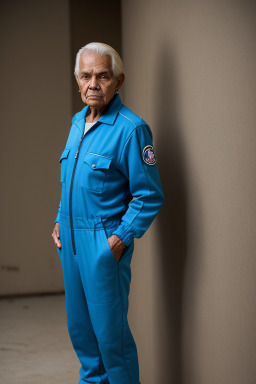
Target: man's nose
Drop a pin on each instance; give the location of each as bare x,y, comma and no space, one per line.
94,82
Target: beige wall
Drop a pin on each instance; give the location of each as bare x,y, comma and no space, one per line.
190,73
35,96
39,41
90,22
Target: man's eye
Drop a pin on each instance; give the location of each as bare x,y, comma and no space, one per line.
103,76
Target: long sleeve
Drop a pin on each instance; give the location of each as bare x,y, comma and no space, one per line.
58,215
138,163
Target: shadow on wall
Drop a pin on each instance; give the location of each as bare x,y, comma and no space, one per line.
173,223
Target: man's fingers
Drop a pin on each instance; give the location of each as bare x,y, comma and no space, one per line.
56,237
58,244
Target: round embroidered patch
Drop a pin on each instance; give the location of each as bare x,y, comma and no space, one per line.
148,155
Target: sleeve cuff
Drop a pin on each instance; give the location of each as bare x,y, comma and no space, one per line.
125,233
57,218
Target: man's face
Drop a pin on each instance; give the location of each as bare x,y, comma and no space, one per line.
96,81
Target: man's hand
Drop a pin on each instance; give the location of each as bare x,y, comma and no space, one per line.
56,235
116,246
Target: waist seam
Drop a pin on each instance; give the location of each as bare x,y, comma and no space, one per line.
90,223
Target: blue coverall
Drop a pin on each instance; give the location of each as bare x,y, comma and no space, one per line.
110,185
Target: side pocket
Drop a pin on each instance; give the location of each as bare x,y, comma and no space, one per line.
105,235
63,163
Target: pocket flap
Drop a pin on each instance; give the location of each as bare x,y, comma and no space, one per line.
97,161
64,155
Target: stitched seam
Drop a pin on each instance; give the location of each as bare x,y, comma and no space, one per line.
127,118
88,229
93,190
121,298
102,302
127,141
97,345
82,217
100,365
129,225
89,218
91,153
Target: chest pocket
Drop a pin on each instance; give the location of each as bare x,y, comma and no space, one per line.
63,162
94,172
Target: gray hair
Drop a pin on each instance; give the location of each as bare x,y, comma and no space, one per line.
101,49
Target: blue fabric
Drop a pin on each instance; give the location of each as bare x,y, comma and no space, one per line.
114,191
111,176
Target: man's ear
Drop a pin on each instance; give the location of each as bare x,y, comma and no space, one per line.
120,81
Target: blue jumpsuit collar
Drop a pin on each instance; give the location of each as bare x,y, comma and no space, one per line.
108,117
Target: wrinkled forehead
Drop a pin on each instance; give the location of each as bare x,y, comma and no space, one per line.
94,62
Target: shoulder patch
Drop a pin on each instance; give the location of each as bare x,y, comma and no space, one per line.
148,155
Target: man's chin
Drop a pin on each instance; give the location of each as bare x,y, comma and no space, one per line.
94,102
94,97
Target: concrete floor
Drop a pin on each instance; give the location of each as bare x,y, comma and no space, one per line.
34,343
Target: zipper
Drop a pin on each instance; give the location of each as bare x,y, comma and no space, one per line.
71,191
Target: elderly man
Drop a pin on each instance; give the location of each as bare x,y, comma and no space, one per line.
111,193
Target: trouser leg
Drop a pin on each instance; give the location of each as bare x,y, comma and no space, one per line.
106,285
78,319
